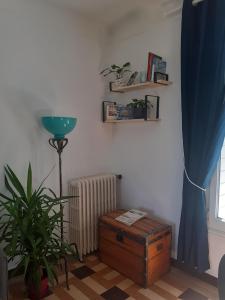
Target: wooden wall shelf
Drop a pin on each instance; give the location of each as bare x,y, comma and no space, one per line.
131,121
150,84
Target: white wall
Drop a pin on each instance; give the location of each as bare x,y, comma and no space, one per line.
49,58
149,155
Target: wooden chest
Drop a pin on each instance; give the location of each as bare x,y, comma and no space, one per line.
141,251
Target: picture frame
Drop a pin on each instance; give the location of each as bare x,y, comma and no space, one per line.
160,76
109,111
152,105
153,62
161,67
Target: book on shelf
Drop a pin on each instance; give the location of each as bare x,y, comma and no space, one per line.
123,112
155,64
109,110
131,216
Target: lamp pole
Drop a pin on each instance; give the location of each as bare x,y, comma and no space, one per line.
59,126
59,145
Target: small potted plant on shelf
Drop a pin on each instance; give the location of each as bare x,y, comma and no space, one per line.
30,231
138,108
118,71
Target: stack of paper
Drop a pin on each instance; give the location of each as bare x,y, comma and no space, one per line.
131,216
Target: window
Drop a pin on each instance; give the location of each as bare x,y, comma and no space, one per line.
217,196
221,200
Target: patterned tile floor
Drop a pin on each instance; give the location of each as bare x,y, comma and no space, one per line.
94,280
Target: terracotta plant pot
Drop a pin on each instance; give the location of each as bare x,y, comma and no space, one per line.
43,291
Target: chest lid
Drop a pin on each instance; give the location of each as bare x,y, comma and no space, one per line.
143,228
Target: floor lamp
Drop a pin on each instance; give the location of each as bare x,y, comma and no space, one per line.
59,127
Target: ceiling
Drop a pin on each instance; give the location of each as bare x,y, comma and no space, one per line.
109,11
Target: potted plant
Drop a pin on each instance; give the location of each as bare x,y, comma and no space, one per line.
138,108
30,231
118,71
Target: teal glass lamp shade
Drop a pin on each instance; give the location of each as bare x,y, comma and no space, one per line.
59,126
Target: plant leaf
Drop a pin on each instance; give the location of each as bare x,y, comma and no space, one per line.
127,64
15,181
9,188
113,67
29,182
26,264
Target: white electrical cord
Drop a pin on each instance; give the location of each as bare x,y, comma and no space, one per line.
173,11
188,178
196,2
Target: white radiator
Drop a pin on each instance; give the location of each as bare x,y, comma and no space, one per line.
93,197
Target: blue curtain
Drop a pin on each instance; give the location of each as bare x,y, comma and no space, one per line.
203,120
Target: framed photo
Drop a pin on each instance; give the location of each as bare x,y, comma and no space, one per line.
153,65
152,104
109,110
161,67
158,76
